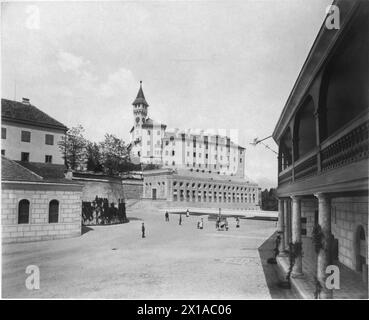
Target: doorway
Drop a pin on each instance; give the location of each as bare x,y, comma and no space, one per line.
154,194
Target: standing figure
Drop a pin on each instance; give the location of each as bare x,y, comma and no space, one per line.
180,219
166,216
143,230
187,213
238,222
226,224
202,223
217,223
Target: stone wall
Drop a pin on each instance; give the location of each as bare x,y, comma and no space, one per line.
133,189
348,213
102,186
39,228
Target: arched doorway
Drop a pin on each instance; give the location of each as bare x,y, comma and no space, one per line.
361,252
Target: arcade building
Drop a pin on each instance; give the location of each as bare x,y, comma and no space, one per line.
322,136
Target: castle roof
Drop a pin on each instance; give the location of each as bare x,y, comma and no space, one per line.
140,99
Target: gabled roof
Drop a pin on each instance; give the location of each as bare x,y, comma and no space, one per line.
45,170
140,99
27,114
12,171
17,171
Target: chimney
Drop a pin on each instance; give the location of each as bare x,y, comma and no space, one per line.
25,101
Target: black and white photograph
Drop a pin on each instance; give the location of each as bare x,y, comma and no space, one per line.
184,150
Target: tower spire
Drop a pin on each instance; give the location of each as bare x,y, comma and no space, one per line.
140,99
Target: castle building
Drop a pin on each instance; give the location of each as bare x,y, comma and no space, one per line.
196,168
152,143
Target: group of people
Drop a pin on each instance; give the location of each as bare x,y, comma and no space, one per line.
100,211
221,223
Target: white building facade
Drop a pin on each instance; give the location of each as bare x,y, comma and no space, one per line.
151,143
30,135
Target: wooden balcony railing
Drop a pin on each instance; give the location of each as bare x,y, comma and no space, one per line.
350,145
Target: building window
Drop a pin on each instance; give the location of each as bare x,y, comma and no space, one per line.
48,159
194,154
3,152
148,132
23,211
166,143
240,160
188,153
26,136
173,153
53,211
173,163
49,139
3,133
207,156
25,156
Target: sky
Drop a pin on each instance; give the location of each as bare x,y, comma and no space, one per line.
204,64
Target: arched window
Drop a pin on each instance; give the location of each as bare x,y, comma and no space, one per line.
53,211
304,129
23,211
344,90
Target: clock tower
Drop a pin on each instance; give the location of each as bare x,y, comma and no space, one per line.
139,108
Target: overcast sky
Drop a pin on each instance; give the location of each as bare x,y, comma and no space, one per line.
204,64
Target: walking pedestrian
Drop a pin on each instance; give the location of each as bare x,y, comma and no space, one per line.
187,213
166,216
217,223
226,224
143,230
180,219
237,222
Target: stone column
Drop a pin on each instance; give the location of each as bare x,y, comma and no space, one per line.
286,225
324,259
280,226
296,234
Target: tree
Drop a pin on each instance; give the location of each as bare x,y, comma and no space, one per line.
114,154
269,200
94,158
73,145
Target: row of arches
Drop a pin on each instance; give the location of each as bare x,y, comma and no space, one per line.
24,211
200,185
338,95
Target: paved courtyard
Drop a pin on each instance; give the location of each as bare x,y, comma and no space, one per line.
172,262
